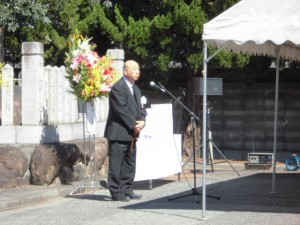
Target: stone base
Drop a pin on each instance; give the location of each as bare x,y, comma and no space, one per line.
45,134
62,168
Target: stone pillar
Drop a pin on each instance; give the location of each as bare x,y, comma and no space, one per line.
47,74
7,95
103,109
117,55
73,108
52,89
59,97
71,101
32,83
66,110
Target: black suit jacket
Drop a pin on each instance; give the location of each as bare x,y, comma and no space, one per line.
124,110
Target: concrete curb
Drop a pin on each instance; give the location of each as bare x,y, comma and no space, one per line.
14,198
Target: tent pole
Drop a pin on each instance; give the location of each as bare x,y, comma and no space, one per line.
204,128
275,121
218,50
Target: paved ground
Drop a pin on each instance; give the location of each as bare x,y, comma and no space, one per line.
244,199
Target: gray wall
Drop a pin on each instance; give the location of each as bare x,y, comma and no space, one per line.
243,119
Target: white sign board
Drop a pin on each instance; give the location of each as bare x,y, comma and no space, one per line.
158,149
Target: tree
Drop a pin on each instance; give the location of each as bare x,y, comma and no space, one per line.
15,14
64,16
163,35
215,7
156,40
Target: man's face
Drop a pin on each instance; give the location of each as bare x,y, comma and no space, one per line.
132,71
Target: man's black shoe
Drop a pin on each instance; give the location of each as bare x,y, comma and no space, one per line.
120,198
133,196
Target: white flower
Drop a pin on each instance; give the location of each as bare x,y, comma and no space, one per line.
76,53
84,46
143,100
76,78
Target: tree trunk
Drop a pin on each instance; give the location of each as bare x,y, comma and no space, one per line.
195,108
1,44
190,90
192,102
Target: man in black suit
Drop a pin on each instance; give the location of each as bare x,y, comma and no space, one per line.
126,119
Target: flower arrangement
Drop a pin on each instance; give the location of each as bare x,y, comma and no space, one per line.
90,75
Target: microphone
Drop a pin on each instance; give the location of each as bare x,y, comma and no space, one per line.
152,84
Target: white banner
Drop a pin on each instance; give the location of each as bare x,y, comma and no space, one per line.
158,149
90,118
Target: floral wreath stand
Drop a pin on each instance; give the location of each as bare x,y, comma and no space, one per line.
87,109
90,76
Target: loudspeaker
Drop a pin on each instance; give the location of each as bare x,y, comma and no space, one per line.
214,86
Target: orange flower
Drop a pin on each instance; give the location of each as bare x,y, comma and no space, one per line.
90,76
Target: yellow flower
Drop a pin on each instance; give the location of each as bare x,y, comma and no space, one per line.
90,76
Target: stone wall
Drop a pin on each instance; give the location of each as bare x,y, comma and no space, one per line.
242,119
43,138
42,109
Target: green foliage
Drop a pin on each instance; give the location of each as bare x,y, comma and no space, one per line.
97,18
228,59
64,17
17,13
163,62
213,8
139,36
178,34
164,36
196,60
154,32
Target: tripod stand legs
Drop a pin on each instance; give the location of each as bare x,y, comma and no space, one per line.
196,193
224,157
194,190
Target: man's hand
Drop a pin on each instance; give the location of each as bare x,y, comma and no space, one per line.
139,125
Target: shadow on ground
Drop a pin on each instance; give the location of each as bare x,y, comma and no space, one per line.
251,193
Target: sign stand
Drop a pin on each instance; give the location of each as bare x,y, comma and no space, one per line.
89,128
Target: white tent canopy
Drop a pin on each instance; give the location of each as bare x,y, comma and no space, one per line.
257,27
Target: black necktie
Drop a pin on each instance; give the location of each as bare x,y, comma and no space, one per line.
134,93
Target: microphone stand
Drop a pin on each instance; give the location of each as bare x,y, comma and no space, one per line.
194,190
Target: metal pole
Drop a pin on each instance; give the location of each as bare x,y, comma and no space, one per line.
84,144
275,121
204,129
94,147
